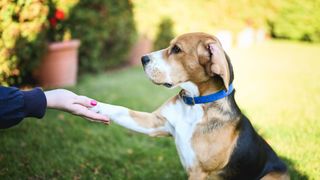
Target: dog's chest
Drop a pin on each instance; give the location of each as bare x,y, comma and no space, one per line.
183,120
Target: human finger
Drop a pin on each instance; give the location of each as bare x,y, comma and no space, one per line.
85,101
85,112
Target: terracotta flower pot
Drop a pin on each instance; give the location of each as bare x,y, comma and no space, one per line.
59,65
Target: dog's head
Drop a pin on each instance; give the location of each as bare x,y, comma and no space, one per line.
194,57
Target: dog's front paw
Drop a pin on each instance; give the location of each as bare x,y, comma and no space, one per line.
98,109
102,108
109,110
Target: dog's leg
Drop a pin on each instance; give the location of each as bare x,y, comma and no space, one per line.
197,174
148,123
276,176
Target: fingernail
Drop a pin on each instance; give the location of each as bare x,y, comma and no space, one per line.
93,102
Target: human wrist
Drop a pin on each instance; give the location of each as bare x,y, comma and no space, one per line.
51,99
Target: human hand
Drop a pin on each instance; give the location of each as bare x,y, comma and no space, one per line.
78,105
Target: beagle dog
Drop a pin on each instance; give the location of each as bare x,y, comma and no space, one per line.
213,138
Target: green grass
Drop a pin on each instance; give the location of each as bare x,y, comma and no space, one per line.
277,87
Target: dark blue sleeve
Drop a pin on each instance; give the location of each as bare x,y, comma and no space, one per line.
16,105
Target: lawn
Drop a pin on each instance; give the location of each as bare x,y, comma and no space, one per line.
277,86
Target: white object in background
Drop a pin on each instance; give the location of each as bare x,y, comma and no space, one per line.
246,37
225,37
260,35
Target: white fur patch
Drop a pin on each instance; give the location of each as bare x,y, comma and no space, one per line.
184,119
190,88
157,66
121,116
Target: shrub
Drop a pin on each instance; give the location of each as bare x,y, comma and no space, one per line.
106,30
56,28
298,20
105,27
165,34
22,39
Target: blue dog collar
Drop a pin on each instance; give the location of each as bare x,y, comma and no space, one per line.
208,98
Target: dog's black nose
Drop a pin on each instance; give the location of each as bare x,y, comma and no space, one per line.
145,60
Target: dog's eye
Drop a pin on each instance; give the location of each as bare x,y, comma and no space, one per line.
175,49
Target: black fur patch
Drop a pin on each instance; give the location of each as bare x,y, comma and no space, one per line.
252,157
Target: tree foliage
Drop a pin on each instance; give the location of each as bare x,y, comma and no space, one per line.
298,20
165,34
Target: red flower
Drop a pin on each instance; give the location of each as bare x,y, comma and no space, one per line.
59,14
53,22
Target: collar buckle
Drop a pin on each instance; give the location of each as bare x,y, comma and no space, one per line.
186,99
193,102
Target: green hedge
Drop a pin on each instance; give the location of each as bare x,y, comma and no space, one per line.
298,20
106,30
165,34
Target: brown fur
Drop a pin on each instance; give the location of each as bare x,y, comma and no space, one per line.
276,176
214,140
147,120
213,149
196,173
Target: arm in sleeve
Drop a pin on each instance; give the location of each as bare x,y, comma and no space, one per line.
16,105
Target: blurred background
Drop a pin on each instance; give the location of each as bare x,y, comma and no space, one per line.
93,47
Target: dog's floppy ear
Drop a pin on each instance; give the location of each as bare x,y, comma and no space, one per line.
219,64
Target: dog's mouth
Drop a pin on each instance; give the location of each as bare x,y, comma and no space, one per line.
156,81
168,85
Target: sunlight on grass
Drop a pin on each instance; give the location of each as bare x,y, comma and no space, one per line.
276,87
